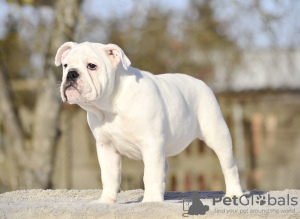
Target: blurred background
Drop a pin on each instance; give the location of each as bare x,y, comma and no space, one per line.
247,51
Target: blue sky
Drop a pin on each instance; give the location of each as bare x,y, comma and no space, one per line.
120,8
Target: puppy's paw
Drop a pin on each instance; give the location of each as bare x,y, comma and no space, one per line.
237,193
104,200
153,198
234,190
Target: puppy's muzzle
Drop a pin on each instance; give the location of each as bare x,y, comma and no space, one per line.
72,75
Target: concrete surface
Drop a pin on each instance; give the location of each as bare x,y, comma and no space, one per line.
77,204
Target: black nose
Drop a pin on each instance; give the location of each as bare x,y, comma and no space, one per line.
72,75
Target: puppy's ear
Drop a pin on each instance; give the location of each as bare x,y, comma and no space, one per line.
116,55
62,52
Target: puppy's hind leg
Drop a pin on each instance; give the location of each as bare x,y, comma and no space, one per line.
217,137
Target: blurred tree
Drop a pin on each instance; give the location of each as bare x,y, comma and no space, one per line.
202,38
151,45
260,24
29,155
143,42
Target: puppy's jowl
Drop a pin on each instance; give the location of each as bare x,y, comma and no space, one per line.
141,115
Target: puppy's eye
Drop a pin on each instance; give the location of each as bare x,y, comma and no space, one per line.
91,66
65,65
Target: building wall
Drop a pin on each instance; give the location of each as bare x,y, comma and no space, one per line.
271,124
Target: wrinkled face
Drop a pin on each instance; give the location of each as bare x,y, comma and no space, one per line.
88,70
80,69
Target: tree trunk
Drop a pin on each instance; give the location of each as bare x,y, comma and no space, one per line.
48,105
15,158
31,167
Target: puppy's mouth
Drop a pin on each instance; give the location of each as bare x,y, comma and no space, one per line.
69,86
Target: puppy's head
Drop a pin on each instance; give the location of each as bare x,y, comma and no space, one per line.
89,70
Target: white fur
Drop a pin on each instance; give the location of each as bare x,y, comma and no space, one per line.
143,116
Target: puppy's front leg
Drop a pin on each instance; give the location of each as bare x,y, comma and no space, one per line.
154,174
110,164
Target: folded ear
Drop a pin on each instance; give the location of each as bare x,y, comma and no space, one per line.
62,52
116,55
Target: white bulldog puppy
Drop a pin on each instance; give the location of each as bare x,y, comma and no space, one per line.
141,115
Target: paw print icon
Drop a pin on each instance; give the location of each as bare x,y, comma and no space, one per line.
261,200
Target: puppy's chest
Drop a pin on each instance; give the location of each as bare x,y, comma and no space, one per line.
119,136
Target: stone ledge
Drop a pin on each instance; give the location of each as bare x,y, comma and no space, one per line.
61,203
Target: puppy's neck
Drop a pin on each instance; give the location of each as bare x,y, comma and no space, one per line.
107,102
